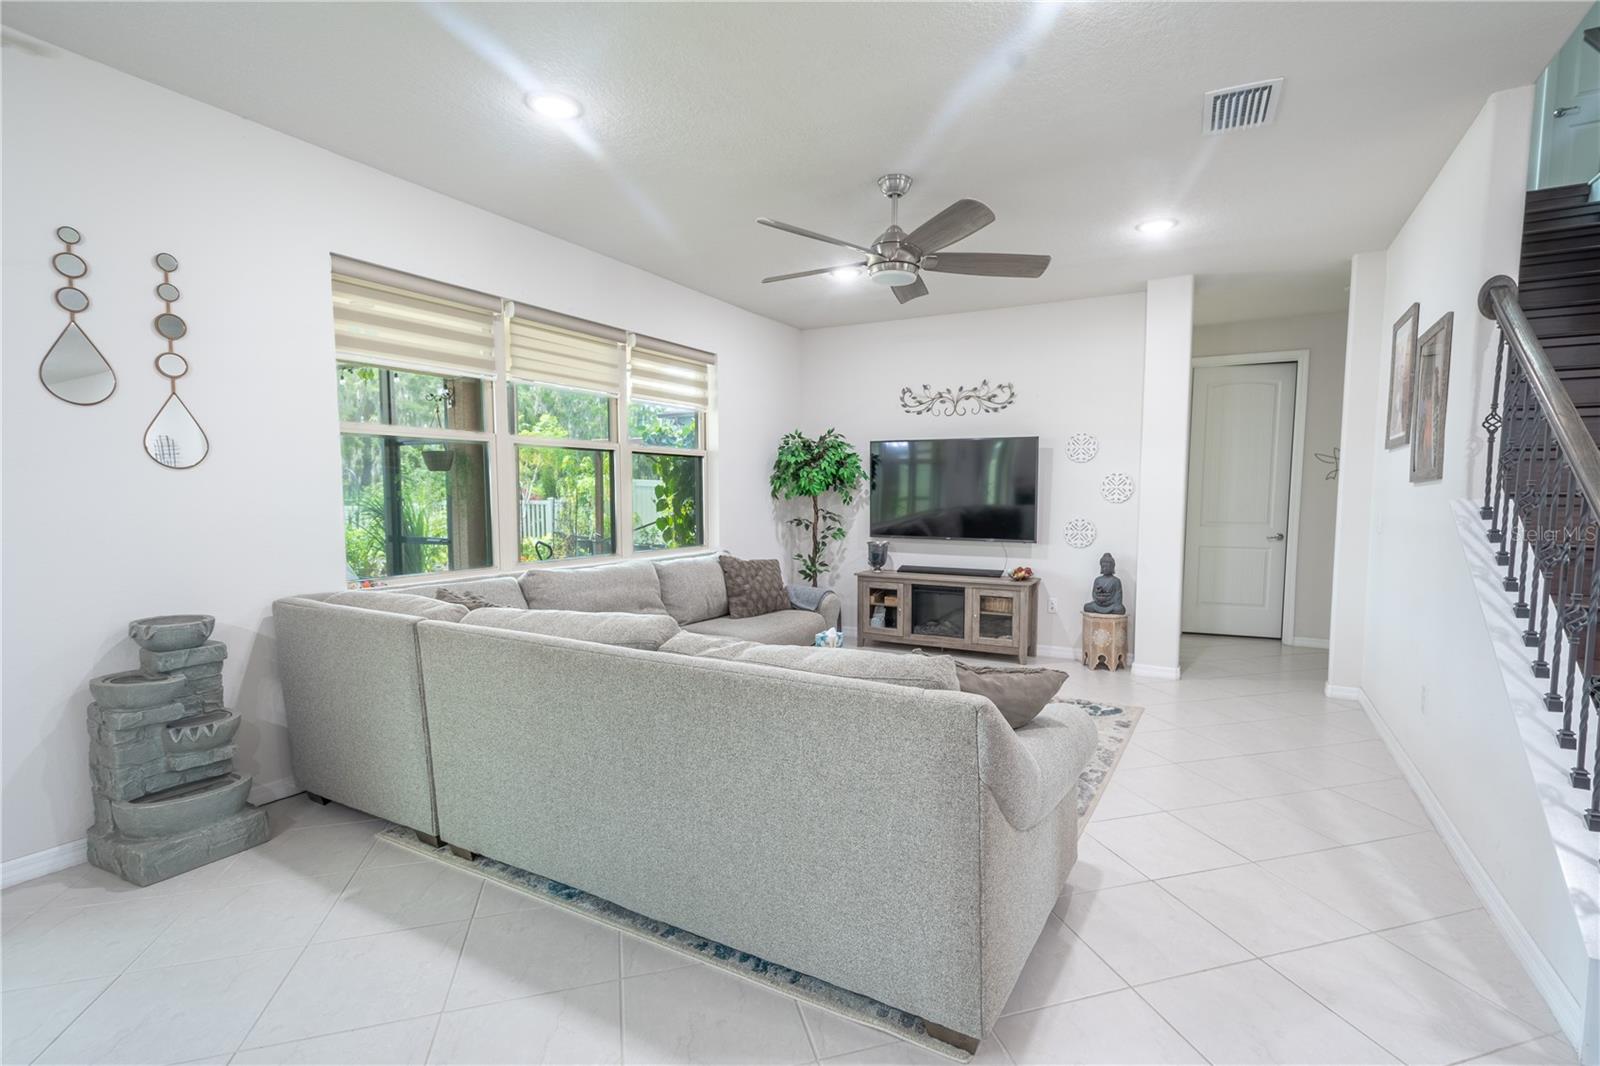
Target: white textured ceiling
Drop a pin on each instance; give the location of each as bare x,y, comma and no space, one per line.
1071,121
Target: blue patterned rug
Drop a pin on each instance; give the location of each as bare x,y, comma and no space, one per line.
1115,725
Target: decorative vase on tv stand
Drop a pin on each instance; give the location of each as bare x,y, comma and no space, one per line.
877,554
166,799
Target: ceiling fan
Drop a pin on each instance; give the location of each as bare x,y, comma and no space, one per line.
897,258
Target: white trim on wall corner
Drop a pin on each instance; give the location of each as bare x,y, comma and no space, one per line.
1341,692
1562,1003
49,861
1163,673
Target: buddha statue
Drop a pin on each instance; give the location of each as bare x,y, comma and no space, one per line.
1107,593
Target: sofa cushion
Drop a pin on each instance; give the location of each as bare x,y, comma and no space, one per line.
686,642
647,631
1019,693
911,671
755,586
779,627
399,603
496,591
693,589
470,600
631,587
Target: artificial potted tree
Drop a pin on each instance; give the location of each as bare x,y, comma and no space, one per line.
811,468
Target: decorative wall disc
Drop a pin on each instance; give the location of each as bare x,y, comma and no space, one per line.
1081,532
961,400
1081,447
1116,488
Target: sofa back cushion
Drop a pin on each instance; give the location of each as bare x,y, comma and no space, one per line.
910,671
632,588
498,591
399,603
693,589
646,631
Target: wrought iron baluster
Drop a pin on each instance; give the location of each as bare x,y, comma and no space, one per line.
1513,496
1580,773
1497,527
1491,426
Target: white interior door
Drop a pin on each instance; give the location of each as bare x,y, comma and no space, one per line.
1241,445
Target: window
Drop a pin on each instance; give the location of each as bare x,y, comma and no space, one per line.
475,429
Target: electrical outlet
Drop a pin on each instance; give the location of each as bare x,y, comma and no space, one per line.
1050,605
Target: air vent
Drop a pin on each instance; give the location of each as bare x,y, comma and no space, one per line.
1242,106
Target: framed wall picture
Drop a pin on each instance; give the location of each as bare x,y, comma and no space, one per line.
1431,390
1402,378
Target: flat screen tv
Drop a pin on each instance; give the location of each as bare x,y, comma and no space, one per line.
984,488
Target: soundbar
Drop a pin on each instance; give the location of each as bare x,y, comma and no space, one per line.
956,571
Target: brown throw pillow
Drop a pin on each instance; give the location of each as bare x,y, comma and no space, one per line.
470,600
1018,692
755,586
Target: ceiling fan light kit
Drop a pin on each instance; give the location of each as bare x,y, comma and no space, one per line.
897,259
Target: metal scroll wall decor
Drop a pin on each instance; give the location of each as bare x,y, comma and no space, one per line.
961,400
73,369
173,439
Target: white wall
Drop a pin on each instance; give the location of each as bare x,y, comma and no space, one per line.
1164,471
1077,367
96,534
1324,337
1429,669
1358,441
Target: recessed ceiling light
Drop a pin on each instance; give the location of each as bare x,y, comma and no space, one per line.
845,273
1153,227
554,105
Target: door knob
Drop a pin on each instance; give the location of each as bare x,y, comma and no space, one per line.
1563,112
1276,536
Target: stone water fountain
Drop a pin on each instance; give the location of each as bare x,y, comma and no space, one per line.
166,799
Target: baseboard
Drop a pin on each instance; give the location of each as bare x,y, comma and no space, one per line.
1163,673
263,792
1563,1004
48,861
1059,651
1308,642
1342,692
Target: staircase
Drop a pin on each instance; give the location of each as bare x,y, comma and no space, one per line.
1541,492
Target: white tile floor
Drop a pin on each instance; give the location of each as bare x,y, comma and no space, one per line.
1258,886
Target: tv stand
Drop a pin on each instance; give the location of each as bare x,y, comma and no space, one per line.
962,571
954,610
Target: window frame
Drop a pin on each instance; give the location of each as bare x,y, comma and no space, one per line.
406,433
502,440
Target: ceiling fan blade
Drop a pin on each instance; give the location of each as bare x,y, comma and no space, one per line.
905,293
989,264
813,273
961,219
799,232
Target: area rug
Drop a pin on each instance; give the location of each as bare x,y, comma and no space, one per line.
1115,725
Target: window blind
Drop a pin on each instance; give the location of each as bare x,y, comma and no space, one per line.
556,349
662,372
393,326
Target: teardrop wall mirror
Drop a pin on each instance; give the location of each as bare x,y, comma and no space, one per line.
73,368
174,439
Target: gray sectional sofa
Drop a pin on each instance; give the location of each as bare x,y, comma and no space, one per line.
849,814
